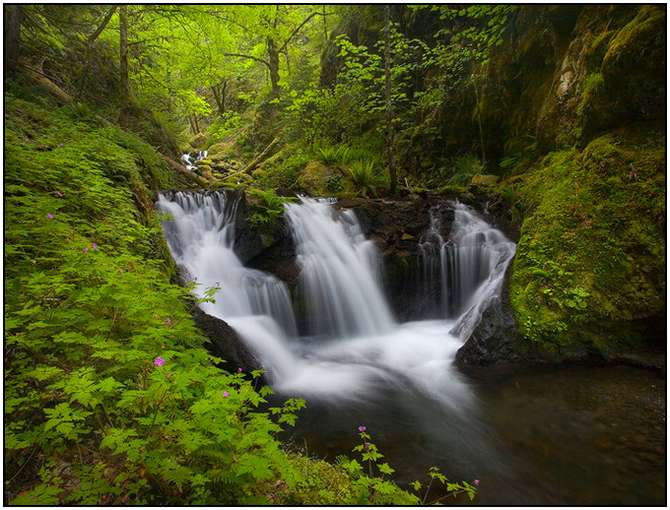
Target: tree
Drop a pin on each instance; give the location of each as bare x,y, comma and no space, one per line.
124,84
12,35
393,180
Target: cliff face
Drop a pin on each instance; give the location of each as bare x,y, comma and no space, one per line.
570,73
584,137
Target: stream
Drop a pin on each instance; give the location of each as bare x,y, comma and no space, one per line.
540,436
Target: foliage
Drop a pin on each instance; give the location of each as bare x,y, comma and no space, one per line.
376,487
267,206
110,395
365,177
464,168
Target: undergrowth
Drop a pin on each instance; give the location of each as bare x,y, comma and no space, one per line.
110,395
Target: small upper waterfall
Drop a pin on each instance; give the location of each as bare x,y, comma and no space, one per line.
188,160
340,270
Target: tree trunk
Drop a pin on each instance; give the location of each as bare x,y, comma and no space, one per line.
12,36
273,61
389,104
325,25
219,93
479,120
124,85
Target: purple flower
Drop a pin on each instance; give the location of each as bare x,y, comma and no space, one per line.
94,246
477,483
362,428
239,370
159,362
50,216
85,250
367,445
226,394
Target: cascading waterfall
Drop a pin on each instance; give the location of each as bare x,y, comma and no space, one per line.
339,277
355,346
188,160
470,264
201,238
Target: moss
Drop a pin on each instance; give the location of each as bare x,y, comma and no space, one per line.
625,46
315,177
589,262
592,84
632,87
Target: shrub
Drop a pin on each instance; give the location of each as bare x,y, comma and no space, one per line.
463,168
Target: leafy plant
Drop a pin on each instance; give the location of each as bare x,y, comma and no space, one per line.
464,167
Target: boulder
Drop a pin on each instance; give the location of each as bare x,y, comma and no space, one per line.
225,343
315,177
484,180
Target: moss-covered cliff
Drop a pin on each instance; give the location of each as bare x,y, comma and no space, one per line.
585,148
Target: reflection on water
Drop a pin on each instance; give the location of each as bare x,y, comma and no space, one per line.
551,436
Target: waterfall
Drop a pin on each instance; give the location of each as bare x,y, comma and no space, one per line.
469,265
200,235
355,347
340,271
187,158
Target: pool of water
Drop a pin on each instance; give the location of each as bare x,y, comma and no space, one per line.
577,436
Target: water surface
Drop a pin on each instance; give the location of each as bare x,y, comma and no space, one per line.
579,436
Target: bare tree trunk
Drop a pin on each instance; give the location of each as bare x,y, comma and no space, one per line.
389,104
124,86
12,36
288,63
325,24
479,120
273,61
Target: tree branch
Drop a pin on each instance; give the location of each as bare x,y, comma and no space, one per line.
296,30
102,26
250,57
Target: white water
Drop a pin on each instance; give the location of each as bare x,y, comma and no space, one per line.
190,162
339,272
355,346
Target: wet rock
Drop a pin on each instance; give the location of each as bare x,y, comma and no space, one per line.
496,337
225,343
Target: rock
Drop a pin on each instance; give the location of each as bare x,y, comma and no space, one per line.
198,140
315,178
226,344
496,337
484,180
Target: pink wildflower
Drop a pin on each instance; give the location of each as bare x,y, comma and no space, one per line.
85,250
239,370
50,216
477,483
362,428
226,394
168,321
94,246
159,362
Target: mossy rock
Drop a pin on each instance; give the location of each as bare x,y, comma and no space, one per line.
198,140
316,177
631,84
589,267
484,180
220,151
